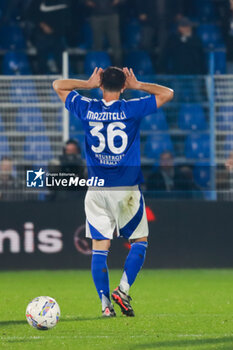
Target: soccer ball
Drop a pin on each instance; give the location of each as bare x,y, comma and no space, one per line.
43,313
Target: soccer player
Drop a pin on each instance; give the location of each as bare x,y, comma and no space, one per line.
112,143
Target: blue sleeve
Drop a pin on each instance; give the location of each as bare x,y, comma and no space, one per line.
140,107
77,104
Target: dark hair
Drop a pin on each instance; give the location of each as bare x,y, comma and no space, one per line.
113,79
72,142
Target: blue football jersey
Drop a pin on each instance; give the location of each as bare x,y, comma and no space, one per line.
112,137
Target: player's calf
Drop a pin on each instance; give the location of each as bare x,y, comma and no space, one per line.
133,264
100,276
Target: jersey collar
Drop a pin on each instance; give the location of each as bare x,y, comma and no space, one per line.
108,103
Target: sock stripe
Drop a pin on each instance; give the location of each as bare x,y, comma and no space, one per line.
100,251
104,254
144,244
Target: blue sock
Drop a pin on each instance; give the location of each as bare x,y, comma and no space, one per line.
99,271
133,264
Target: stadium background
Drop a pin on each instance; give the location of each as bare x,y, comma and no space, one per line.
183,296
190,215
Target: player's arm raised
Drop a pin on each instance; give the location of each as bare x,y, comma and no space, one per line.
64,86
162,93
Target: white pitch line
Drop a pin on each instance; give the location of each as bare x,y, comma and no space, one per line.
190,315
110,336
63,337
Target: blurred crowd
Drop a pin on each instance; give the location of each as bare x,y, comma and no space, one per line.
165,179
168,29
176,36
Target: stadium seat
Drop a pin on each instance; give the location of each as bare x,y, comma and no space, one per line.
228,145
155,121
29,119
137,94
140,61
59,119
220,62
4,146
23,91
96,59
201,173
157,144
87,36
224,119
191,117
53,97
1,124
11,37
37,148
188,90
16,63
132,35
205,10
210,35
197,146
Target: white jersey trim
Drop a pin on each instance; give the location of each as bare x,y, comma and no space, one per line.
109,103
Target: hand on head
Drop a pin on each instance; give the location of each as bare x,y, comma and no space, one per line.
96,78
131,80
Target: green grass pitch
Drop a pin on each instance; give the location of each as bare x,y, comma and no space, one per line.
175,309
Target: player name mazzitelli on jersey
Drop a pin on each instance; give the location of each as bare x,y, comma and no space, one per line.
106,116
51,181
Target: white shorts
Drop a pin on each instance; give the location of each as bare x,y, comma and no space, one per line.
120,208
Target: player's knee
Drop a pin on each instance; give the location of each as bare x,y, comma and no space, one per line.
142,239
98,244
